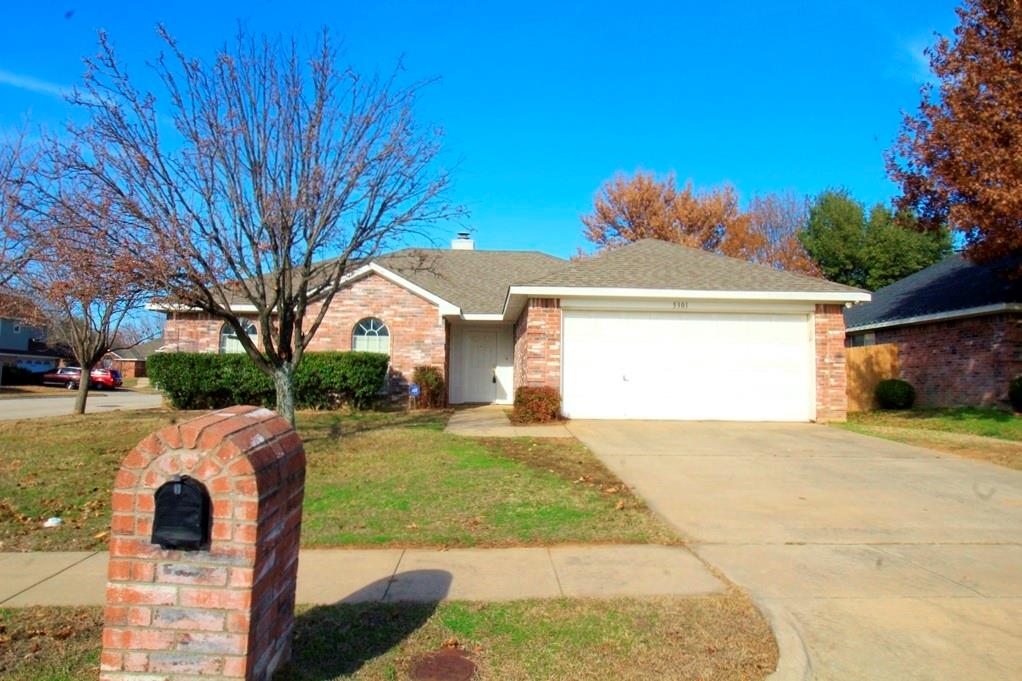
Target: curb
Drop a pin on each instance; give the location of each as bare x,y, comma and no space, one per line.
793,659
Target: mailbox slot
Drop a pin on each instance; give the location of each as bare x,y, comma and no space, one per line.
182,519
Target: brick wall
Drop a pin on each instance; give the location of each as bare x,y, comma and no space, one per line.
538,344
192,332
417,333
961,361
227,611
831,376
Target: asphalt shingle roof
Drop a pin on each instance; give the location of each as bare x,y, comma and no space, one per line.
475,281
142,350
954,283
652,264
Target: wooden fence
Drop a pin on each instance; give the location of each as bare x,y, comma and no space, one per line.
867,366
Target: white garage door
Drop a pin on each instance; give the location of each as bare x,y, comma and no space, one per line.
691,366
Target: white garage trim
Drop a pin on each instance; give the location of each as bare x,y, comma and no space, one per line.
741,365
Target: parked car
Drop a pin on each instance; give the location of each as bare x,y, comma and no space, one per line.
106,379
65,376
70,377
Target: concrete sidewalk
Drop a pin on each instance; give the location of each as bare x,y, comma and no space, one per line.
491,421
342,575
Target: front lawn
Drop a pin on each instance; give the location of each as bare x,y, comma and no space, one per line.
988,434
374,479
709,637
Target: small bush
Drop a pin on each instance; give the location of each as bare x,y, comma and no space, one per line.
1015,393
894,393
536,405
12,375
431,385
194,380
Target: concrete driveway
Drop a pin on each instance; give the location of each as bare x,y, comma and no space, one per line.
890,561
34,407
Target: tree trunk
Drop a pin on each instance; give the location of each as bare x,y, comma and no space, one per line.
284,384
83,390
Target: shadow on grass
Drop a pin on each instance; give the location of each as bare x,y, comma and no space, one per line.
336,426
964,414
339,639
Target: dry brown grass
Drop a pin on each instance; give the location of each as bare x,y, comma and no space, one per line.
993,450
720,636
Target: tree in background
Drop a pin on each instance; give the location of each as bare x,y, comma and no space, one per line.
868,253
86,296
255,179
16,165
628,209
771,237
958,160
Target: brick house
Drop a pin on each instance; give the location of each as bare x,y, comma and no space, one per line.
957,326
651,330
131,362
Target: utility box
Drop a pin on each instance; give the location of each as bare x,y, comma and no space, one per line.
204,550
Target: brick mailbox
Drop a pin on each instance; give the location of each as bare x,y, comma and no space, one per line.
223,606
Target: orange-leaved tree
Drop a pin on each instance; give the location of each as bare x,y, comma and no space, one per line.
627,209
958,159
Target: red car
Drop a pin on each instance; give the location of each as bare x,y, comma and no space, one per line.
70,377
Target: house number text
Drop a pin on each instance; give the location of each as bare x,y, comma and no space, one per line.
679,305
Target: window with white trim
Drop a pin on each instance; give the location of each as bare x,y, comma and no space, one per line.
371,335
230,343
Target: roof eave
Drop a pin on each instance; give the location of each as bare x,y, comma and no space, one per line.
523,292
446,308
948,315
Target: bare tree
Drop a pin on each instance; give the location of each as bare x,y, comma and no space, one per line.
87,297
774,223
254,180
16,166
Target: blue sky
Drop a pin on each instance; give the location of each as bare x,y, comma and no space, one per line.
541,102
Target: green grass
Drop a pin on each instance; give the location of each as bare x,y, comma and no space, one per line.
402,481
988,434
373,480
721,636
966,420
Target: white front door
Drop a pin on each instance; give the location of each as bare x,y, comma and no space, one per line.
480,364
688,366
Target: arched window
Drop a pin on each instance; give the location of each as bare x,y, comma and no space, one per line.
371,335
229,341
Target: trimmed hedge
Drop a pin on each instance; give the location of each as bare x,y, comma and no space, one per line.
12,375
198,380
536,405
431,386
1015,393
894,393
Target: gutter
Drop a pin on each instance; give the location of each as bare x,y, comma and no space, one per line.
963,313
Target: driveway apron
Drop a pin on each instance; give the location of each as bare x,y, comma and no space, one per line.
891,561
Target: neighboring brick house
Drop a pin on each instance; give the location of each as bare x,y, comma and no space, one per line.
131,362
957,326
649,330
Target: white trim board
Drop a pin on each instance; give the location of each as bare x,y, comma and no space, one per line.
963,313
575,292
446,308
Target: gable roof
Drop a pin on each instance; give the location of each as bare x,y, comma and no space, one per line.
653,264
141,351
475,281
953,287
